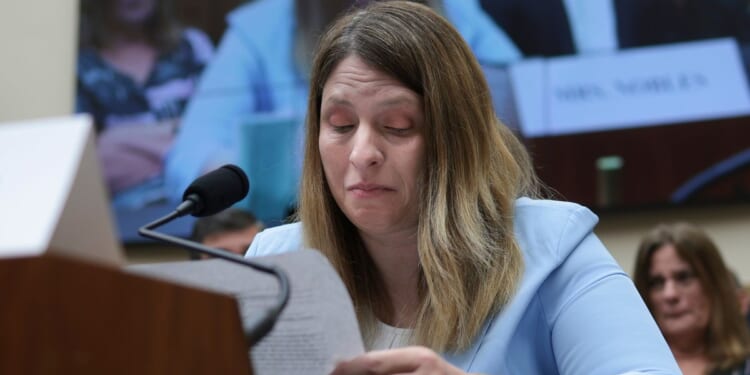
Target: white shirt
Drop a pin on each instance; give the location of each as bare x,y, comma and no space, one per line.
390,337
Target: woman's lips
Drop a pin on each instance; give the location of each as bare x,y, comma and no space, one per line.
368,190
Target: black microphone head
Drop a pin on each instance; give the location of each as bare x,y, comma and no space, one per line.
217,190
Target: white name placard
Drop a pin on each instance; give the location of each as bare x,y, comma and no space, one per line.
51,192
632,88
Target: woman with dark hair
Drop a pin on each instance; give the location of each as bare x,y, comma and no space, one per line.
423,202
137,68
691,294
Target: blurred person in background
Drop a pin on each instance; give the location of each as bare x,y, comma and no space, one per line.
687,287
137,68
232,230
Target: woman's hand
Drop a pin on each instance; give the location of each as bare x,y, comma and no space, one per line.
133,153
410,360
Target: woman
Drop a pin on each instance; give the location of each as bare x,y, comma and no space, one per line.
411,188
136,70
681,276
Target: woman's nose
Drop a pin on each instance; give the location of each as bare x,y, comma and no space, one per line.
365,148
670,290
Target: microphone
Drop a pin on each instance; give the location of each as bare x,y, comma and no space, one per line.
207,195
214,191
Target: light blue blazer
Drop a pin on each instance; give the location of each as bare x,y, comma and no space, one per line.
575,312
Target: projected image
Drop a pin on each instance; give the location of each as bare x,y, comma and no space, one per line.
622,103
138,66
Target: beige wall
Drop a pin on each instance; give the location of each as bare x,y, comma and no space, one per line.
38,39
728,226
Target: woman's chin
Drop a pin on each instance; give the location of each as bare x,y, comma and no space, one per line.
679,327
375,222
372,224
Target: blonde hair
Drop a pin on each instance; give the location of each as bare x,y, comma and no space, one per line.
475,168
727,338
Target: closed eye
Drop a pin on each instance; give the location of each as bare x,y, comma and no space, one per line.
342,128
684,277
398,131
656,283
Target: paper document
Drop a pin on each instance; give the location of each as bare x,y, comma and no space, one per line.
317,328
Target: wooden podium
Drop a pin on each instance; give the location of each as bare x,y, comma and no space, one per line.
63,316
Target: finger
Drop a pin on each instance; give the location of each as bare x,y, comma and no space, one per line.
405,360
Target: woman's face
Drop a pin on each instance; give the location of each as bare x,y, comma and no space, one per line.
133,12
679,303
371,144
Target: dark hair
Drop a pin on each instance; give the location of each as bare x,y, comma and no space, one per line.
229,220
162,28
727,337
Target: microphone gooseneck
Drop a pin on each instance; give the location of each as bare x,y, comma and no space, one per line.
207,195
